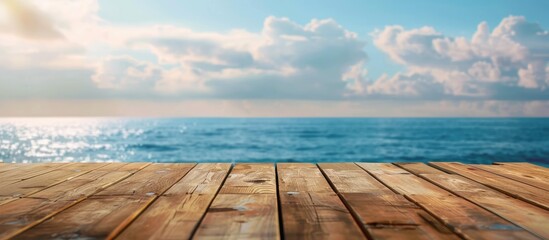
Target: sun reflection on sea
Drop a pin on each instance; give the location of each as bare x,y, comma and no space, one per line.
54,139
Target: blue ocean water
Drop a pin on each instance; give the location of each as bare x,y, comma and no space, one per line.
274,140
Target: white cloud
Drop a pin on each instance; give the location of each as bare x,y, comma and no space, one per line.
285,60
513,57
125,73
485,71
406,85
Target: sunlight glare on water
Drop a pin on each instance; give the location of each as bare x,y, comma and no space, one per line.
273,140
54,139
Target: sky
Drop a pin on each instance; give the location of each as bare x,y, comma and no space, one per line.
245,58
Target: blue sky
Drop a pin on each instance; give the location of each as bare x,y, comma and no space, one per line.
347,58
455,18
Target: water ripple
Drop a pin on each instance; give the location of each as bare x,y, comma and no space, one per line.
280,140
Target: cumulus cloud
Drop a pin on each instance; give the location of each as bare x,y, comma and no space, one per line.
284,60
125,73
407,85
514,56
319,59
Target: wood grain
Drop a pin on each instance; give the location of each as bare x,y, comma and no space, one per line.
5,167
246,206
264,201
301,177
383,213
523,175
58,175
309,206
20,172
251,178
22,214
109,211
241,216
511,187
462,216
523,214
177,212
527,167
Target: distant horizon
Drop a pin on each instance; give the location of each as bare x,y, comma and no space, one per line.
68,117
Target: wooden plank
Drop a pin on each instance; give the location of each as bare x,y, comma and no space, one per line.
177,212
251,178
309,206
22,214
23,188
26,171
108,212
383,213
525,215
241,216
245,208
10,166
464,217
527,167
518,174
4,167
301,177
511,187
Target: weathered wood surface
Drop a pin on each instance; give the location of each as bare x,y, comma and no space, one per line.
528,167
383,213
177,212
4,167
268,201
10,173
509,186
246,206
466,218
525,215
24,213
310,208
524,175
109,211
15,190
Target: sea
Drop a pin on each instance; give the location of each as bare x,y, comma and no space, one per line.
467,140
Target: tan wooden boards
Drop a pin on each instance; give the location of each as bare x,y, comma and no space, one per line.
523,214
15,172
268,201
527,167
109,211
4,167
528,175
251,179
177,212
246,206
310,209
511,187
21,214
58,174
383,213
464,217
